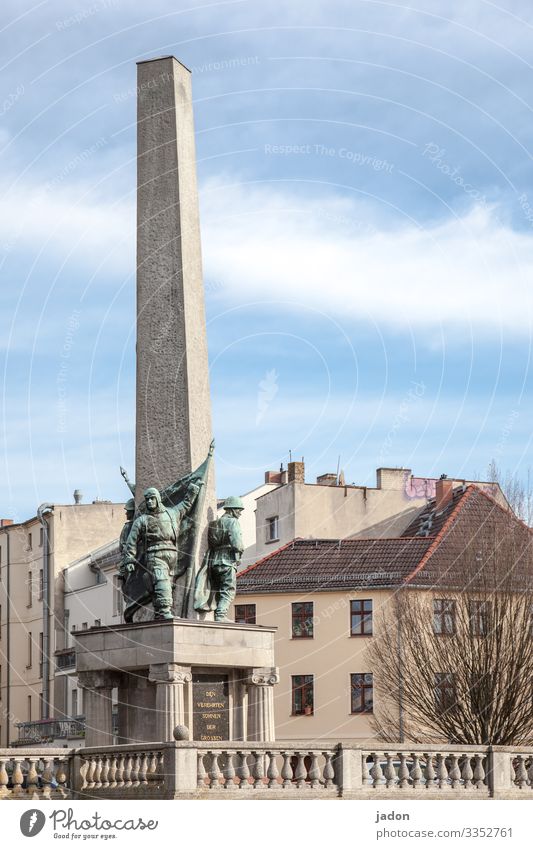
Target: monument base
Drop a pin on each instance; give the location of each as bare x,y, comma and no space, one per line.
214,679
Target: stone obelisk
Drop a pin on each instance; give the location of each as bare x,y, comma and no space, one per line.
173,426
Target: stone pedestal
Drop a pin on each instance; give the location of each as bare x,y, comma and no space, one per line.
214,678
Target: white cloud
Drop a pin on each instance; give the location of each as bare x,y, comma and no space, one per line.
329,254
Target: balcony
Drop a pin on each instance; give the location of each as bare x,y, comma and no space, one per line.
48,730
65,659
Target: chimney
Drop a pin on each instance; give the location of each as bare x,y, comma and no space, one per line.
329,479
273,477
5,522
443,493
296,472
78,495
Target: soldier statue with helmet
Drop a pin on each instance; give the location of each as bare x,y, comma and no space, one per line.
217,577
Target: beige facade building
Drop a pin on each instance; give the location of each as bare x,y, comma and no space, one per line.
33,555
329,598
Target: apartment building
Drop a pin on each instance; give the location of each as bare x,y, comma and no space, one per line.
33,555
327,599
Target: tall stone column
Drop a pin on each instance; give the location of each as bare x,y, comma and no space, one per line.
97,700
173,427
170,680
261,682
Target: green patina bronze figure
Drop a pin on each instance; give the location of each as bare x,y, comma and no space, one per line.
152,544
159,546
217,577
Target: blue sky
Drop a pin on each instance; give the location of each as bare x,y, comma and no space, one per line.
366,190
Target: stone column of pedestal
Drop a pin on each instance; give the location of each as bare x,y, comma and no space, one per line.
261,703
170,680
97,700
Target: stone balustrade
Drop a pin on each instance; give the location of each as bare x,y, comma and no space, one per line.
290,769
35,773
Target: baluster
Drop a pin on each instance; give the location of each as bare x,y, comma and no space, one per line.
47,778
89,772
286,769
201,773
17,778
97,772
403,771
104,775
135,770
365,774
229,772
32,780
329,772
62,770
376,772
430,773
442,772
314,771
112,775
272,772
243,771
119,775
160,773
300,773
4,779
455,772
520,772
467,773
258,769
416,773
389,771
530,773
479,772
151,775
214,771
143,768
127,770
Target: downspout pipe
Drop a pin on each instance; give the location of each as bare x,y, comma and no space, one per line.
47,606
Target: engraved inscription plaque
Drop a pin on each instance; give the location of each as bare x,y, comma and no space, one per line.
210,707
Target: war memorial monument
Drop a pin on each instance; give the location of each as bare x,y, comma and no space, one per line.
183,669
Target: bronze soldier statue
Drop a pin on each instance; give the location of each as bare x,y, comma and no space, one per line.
216,582
152,543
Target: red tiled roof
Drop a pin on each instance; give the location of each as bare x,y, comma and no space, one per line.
334,564
429,554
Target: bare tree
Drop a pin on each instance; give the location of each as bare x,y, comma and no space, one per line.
454,660
519,493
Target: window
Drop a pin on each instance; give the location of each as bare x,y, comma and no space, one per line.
479,613
97,623
41,655
29,542
40,536
272,529
302,695
29,708
361,618
84,626
30,589
444,691
118,600
0,621
362,691
75,703
245,614
30,651
302,619
41,583
443,616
